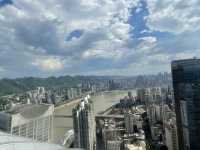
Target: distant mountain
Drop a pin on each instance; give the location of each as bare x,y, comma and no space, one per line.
11,86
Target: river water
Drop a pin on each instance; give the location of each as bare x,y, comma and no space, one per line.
101,102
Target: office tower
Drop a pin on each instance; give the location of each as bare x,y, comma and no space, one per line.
141,95
186,83
114,145
171,140
140,145
133,122
129,122
33,121
84,125
170,128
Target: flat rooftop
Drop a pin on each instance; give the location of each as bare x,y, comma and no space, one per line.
29,110
9,142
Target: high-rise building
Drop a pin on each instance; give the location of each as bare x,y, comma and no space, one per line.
140,145
33,121
141,95
13,142
171,134
129,122
133,122
84,125
113,145
170,128
186,83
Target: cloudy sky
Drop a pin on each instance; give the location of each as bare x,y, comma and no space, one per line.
96,37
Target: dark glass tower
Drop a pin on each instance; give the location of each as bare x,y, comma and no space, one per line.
186,83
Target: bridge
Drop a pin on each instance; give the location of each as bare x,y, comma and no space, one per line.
63,116
109,117
97,116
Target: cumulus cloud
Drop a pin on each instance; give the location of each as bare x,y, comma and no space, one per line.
2,69
174,16
49,64
149,39
96,36
40,29
102,54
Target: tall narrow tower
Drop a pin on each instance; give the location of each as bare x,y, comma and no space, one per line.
84,125
186,83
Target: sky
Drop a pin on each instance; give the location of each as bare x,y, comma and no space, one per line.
96,37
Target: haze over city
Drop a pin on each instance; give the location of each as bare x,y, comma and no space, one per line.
99,74
96,37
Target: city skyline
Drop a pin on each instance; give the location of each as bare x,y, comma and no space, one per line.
124,37
110,114
100,74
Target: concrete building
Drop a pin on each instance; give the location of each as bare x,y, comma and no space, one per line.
152,95
171,139
151,113
159,112
84,125
155,113
141,95
11,142
186,83
111,134
30,121
129,122
114,145
133,122
136,146
156,131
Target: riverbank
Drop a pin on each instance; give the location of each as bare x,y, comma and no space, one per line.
77,100
67,104
102,101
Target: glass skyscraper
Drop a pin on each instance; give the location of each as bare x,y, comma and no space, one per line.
84,125
186,83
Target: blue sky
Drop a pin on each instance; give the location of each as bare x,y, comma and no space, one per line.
96,37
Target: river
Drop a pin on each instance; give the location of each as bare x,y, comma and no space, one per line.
101,102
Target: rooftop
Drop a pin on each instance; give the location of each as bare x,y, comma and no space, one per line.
186,62
9,142
29,110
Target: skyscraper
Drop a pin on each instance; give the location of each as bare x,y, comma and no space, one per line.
129,122
186,83
84,125
33,121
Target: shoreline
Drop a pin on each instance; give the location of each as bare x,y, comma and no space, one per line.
77,100
71,102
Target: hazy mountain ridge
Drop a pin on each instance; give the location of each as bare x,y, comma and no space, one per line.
18,85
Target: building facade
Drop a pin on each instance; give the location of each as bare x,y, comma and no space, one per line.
114,145
84,125
129,122
31,121
171,140
186,83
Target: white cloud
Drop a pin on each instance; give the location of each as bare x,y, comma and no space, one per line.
187,54
33,35
49,64
174,16
39,29
102,54
149,39
2,69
